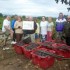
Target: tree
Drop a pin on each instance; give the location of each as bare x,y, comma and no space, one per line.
67,2
1,15
23,17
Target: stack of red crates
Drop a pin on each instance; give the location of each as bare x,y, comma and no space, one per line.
64,53
27,52
43,62
54,46
18,49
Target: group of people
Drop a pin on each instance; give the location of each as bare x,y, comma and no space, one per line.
42,31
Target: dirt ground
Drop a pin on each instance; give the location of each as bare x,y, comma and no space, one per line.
9,60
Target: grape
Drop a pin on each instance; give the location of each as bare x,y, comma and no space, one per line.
31,46
41,53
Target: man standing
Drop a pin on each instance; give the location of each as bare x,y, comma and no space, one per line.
6,28
66,31
31,32
59,26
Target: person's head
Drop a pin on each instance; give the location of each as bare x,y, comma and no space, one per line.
8,18
26,18
15,17
49,19
35,19
60,15
43,18
68,18
30,18
19,18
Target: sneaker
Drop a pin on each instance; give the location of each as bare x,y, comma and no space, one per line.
6,48
13,42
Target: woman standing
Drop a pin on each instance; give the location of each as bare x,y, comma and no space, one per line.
50,29
18,29
37,32
43,29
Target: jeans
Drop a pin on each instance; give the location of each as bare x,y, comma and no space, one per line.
14,35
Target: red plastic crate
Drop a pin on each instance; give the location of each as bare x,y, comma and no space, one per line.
65,54
27,53
46,62
24,47
18,49
43,62
47,44
57,41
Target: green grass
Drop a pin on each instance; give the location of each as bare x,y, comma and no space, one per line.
1,21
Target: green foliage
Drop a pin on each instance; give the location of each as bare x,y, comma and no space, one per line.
1,15
1,21
67,2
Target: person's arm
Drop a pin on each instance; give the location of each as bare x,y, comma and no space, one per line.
35,26
64,29
15,25
22,26
12,24
56,22
40,28
53,28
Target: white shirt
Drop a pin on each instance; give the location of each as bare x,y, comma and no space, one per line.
5,23
43,26
50,26
61,20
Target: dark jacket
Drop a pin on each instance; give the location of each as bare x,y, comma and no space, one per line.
66,30
31,31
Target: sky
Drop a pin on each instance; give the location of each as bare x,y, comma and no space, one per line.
33,7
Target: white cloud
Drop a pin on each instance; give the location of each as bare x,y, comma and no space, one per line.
32,7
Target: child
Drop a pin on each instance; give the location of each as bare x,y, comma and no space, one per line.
50,29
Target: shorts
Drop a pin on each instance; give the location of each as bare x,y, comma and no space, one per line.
7,33
36,36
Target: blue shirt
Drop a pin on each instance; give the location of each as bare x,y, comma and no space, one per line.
12,24
60,24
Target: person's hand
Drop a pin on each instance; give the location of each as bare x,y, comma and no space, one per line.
11,31
20,27
63,35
